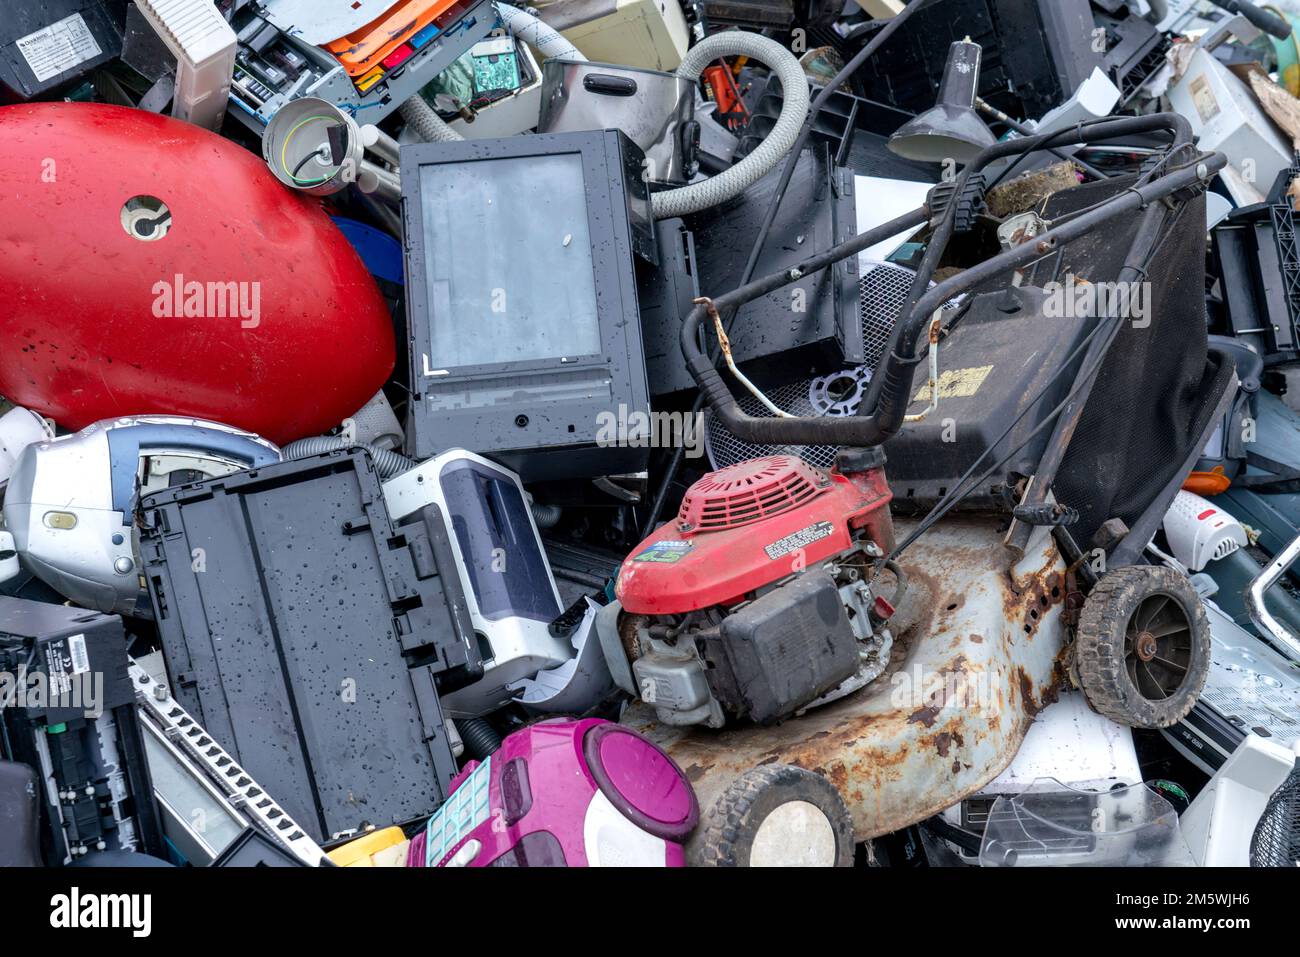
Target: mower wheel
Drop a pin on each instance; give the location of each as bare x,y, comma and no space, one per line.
777,815
1143,646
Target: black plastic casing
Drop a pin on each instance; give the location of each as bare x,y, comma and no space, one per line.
308,635
539,417
71,748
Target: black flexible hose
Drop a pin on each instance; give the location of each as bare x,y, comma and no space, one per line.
481,739
900,581
1261,18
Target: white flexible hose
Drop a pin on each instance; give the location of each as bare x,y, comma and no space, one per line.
388,462
426,123
544,39
737,179
429,126
547,41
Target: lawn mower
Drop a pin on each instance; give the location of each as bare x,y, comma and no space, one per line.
832,655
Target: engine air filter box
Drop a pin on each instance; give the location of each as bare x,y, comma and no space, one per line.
784,649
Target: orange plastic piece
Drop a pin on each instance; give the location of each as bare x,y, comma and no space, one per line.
725,92
1207,483
362,50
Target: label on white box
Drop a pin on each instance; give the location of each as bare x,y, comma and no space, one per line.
1203,96
59,47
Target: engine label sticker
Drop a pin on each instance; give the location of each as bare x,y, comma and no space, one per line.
664,552
800,539
58,47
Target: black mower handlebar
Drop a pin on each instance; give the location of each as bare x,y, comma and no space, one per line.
873,427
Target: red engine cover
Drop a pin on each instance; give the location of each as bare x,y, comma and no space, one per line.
775,525
85,329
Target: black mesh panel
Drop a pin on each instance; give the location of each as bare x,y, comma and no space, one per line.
1276,842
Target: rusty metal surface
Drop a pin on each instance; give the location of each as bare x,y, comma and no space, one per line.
976,658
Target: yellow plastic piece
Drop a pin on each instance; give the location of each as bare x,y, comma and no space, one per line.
362,851
370,79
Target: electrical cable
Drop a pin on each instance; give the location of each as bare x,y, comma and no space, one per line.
316,153
1022,130
900,579
303,162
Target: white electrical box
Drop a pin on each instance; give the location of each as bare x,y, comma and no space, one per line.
649,34
204,46
510,115
1226,117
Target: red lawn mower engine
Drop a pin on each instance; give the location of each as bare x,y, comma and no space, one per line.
756,601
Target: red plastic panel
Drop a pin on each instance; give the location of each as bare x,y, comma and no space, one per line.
678,569
280,329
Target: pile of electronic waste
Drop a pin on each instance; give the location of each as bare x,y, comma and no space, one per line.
448,433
